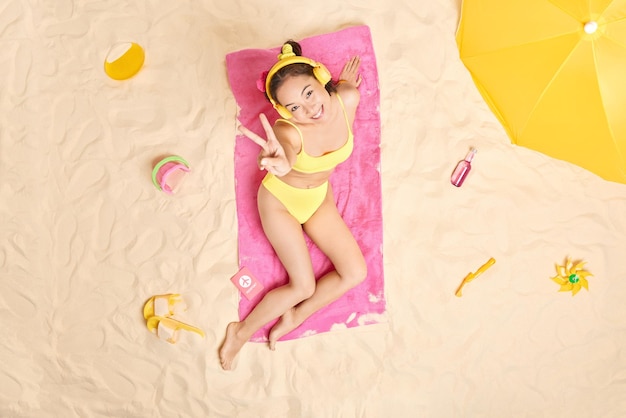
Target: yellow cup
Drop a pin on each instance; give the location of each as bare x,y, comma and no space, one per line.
124,60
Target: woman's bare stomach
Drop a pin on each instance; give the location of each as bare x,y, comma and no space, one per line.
306,180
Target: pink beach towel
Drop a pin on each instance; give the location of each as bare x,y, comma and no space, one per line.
356,182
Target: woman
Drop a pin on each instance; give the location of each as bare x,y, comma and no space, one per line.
300,153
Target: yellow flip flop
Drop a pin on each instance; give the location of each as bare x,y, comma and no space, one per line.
163,305
168,328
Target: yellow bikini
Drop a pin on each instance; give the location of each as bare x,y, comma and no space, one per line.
303,203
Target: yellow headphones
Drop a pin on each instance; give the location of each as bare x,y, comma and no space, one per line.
287,57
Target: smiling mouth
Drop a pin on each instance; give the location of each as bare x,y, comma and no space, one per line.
318,114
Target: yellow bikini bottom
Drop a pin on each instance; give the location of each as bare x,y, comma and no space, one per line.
301,203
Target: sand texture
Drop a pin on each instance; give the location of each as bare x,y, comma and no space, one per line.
86,238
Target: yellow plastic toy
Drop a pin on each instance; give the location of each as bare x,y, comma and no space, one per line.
571,276
124,60
472,276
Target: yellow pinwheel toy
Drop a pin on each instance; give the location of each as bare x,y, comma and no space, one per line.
572,277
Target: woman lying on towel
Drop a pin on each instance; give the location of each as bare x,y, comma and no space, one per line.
312,137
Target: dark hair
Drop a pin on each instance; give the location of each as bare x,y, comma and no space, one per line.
294,70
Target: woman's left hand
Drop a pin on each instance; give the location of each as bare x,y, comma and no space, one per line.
350,73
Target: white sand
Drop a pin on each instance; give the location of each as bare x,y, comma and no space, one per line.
86,238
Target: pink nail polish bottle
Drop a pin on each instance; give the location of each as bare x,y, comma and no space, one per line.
463,168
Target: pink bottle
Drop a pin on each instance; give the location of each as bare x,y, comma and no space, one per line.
463,168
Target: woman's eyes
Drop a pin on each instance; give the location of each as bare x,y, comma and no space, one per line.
307,95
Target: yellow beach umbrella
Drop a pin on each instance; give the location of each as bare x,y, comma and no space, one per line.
554,73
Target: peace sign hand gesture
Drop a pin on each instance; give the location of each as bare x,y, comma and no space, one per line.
272,156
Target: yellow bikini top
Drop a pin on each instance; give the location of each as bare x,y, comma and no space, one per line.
308,164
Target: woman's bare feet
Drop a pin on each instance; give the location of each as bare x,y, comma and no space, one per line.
231,345
286,323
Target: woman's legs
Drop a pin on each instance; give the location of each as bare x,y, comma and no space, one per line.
329,232
284,232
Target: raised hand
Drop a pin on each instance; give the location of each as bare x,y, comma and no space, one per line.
272,156
350,72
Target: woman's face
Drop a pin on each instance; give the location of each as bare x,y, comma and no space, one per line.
304,97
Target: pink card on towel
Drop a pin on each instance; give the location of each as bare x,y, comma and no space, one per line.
356,183
247,283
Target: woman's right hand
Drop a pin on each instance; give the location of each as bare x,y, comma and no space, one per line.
272,156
